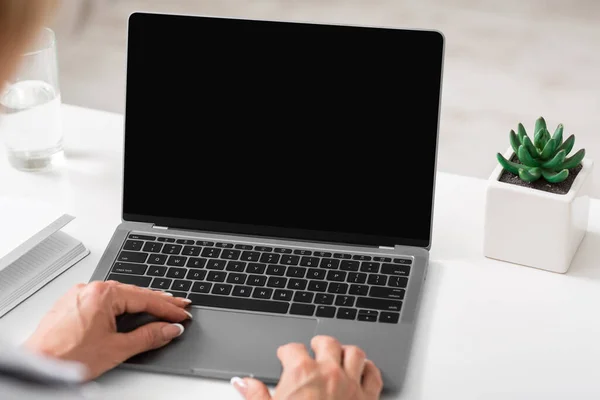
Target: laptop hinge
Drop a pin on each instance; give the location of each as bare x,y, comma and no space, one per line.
160,227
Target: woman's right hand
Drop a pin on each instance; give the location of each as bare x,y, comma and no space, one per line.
336,373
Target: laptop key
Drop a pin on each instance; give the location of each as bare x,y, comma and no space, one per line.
131,256
297,284
141,237
322,254
161,283
264,249
181,285
360,290
176,261
302,309
241,291
216,264
388,317
304,297
134,245
277,270
347,265
256,280
361,257
177,294
141,281
326,312
230,254
270,258
396,269
295,272
191,251
302,252
346,313
216,276
337,288
152,247
201,287
158,259
250,256
282,251
236,266
276,281
184,241
196,274
309,262
129,268
314,273
402,261
238,279
238,303
346,301
398,281
166,240
375,279
338,276
222,289
329,263
156,271
176,272
225,245
285,295
381,259
369,266
317,286
324,299
211,252
289,260
367,315
195,262
173,249
262,293
342,256
243,247
386,293
378,304
256,268
205,243
357,277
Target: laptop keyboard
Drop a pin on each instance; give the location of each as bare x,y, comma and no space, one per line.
267,279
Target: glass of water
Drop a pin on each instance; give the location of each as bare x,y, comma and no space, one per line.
30,115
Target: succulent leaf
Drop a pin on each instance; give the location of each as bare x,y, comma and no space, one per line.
538,139
558,134
514,141
555,177
574,160
526,158
567,145
508,165
530,174
521,133
549,149
540,123
555,163
529,146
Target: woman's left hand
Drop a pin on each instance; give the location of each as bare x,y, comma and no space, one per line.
82,325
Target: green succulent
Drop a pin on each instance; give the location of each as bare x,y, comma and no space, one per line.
544,157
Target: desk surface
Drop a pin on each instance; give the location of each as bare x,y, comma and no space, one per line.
486,329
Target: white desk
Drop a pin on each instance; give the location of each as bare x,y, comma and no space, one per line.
487,329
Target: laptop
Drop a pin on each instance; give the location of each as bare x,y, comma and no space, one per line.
280,174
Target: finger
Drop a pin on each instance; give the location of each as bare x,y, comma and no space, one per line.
131,300
180,301
372,382
251,389
326,348
354,362
292,354
147,337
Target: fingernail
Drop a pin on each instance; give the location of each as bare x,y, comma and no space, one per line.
167,294
186,301
188,314
239,385
172,331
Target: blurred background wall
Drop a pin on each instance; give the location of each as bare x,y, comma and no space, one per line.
507,61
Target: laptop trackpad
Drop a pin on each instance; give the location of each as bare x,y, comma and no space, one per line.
224,344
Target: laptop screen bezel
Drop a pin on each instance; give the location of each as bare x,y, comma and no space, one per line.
275,232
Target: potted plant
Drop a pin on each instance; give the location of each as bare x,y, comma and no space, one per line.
537,200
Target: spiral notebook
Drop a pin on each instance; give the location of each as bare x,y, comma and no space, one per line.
33,249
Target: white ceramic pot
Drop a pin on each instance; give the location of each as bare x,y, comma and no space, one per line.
535,228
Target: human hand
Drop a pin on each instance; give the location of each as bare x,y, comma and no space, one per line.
82,326
336,373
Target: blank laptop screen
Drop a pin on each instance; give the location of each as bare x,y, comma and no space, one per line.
293,130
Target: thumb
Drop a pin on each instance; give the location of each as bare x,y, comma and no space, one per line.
149,337
251,389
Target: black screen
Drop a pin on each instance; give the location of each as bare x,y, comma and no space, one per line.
298,130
